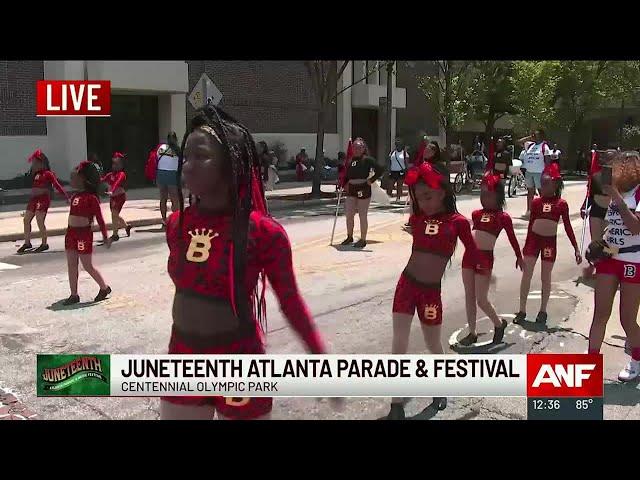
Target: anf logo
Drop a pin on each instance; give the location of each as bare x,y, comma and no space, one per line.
629,271
431,312
200,245
547,252
564,375
83,98
432,228
485,218
546,208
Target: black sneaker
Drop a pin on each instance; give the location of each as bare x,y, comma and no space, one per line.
71,300
541,318
102,294
520,317
469,340
440,402
347,241
25,247
115,237
498,332
128,230
396,412
42,248
360,243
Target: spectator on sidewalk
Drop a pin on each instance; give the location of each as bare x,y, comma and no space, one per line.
536,154
556,153
301,164
397,168
167,175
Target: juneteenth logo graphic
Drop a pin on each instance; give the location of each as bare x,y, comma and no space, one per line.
73,375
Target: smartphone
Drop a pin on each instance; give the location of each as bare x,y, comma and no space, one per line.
606,174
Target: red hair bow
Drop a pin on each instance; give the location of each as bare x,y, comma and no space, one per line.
491,181
37,155
419,158
553,171
118,155
427,173
82,165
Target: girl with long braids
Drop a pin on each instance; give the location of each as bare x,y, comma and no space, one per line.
220,250
78,241
40,199
116,181
546,212
436,226
358,186
617,260
488,222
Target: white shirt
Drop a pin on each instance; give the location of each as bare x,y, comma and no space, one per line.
534,156
555,154
166,161
398,161
617,234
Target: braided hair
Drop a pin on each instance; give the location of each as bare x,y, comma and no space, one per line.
247,194
90,176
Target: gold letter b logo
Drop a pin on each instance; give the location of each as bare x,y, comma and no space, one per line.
200,245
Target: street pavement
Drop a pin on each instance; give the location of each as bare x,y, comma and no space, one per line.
349,291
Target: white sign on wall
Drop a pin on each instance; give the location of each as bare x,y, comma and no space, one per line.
205,88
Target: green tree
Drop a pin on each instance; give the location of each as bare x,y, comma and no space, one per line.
449,90
533,94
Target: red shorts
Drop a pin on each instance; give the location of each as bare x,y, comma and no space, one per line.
538,245
234,408
79,239
626,272
117,202
40,203
411,294
483,265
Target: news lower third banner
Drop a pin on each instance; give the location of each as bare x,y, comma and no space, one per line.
539,375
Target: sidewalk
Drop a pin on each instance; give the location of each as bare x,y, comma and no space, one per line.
142,209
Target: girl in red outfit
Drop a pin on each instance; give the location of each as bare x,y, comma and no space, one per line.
40,199
116,179
78,242
436,226
487,224
546,212
220,250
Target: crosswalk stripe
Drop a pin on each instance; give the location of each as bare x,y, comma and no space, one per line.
8,266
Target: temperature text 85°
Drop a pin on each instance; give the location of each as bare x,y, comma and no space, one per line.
584,404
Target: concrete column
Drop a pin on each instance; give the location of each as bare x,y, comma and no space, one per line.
66,136
172,113
359,67
344,107
381,154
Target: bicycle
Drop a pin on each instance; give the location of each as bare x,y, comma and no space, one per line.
516,179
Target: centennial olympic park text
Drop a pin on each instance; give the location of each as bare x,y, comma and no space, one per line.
319,375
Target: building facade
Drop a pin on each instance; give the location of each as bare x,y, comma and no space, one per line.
274,99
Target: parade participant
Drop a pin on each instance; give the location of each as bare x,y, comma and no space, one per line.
301,160
555,153
535,156
488,222
617,259
595,203
116,181
358,187
546,212
501,160
397,168
436,226
78,241
43,178
167,177
220,249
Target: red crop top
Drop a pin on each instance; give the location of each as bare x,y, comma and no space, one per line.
552,208
439,233
200,263
85,204
115,180
44,178
493,222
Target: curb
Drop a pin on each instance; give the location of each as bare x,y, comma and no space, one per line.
145,222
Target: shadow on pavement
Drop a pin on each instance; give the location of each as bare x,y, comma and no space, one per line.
540,327
149,230
349,248
33,252
473,349
427,413
58,306
624,394
589,281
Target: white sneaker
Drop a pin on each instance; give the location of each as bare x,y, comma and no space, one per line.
630,371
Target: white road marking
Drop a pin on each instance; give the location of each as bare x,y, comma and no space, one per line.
538,297
8,266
